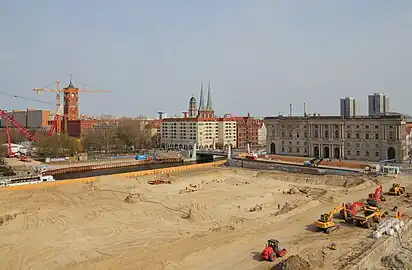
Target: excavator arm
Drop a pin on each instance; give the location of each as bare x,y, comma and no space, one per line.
378,192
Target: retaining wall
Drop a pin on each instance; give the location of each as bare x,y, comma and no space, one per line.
138,173
285,167
102,166
382,247
345,164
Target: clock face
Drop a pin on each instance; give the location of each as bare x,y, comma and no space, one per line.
72,95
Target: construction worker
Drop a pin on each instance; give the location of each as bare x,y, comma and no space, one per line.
398,215
333,246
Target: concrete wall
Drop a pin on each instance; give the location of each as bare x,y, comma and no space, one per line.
284,167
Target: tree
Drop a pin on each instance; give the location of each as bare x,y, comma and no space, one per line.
104,134
134,134
57,145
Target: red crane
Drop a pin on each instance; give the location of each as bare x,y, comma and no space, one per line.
11,154
24,131
56,119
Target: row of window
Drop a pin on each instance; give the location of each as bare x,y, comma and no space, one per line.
290,126
367,154
391,135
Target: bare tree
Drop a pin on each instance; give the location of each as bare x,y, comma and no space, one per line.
106,131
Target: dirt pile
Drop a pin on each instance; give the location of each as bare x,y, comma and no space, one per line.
287,207
196,212
6,218
397,261
132,198
294,262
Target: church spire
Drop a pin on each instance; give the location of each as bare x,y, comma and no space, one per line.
202,99
209,98
70,83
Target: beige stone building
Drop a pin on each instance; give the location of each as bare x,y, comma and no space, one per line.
358,138
207,133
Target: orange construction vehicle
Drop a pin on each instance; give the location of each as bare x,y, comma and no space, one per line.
376,198
351,209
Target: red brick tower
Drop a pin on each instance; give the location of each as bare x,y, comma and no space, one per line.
70,103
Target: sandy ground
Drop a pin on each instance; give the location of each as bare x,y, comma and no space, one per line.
224,225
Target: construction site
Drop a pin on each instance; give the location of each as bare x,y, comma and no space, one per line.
210,218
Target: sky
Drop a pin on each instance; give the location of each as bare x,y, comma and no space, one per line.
260,56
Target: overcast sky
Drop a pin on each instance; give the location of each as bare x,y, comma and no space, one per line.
260,55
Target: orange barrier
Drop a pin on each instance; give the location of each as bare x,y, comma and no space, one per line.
138,173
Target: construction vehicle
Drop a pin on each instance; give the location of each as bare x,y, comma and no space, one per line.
368,217
351,209
272,251
376,198
251,157
313,162
396,189
326,223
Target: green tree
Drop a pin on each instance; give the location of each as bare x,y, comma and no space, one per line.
57,145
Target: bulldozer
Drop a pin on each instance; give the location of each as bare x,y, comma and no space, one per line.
326,223
396,189
272,251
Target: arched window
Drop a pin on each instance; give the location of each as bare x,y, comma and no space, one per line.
326,133
336,134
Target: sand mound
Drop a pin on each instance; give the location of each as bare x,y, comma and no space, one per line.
294,262
224,228
6,218
196,212
397,261
353,182
287,207
132,198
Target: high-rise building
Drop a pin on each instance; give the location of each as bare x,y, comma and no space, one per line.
349,107
378,104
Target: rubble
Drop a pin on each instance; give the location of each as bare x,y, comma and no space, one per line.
294,262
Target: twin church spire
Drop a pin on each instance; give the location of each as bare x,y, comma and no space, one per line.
205,110
208,105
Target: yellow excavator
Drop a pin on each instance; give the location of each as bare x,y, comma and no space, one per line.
325,223
396,189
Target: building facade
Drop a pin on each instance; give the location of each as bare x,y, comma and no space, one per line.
207,133
358,138
29,119
247,131
378,104
349,107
